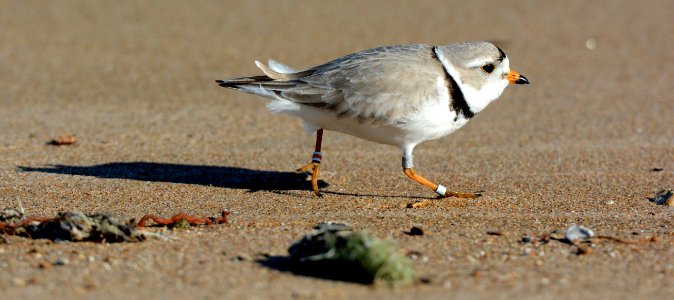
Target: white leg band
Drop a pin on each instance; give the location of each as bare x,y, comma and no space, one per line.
441,190
408,161
316,157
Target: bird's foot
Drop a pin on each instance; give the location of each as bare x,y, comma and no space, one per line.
313,168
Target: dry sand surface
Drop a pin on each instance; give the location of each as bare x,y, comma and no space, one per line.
133,81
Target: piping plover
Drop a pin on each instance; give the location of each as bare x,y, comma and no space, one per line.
397,95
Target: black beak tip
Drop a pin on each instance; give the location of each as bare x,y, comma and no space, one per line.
522,80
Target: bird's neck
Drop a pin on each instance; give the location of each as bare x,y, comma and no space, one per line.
479,99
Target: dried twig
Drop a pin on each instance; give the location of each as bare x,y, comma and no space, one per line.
626,241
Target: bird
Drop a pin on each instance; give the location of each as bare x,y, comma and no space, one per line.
401,95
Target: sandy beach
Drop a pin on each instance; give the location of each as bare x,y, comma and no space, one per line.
588,142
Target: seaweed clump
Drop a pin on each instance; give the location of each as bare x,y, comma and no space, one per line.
69,226
336,251
76,226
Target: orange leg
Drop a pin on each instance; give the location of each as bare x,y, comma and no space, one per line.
315,164
438,188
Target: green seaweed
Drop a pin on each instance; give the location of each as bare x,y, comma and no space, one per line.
336,251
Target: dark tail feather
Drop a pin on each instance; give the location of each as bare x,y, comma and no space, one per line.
238,82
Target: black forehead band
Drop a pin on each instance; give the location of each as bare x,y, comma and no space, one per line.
501,55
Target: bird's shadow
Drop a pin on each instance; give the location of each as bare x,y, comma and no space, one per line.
227,177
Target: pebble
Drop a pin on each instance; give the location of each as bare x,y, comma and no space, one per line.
416,255
241,257
664,197
415,231
61,261
18,282
447,284
494,232
578,232
44,265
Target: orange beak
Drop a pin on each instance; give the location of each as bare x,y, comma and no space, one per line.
516,78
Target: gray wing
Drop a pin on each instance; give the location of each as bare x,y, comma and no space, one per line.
380,85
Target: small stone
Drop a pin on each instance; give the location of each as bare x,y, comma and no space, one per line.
583,249
415,231
591,44
44,265
447,284
67,139
419,204
610,202
332,226
665,198
414,255
18,282
241,257
61,261
577,232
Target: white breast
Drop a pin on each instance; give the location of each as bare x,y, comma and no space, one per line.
432,120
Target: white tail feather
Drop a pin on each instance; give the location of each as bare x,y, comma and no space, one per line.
279,67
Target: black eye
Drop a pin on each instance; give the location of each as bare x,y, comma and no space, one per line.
488,68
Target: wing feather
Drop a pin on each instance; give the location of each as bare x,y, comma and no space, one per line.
381,85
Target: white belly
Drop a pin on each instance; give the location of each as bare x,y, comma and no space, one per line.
432,121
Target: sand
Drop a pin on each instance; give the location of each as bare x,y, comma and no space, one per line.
133,81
